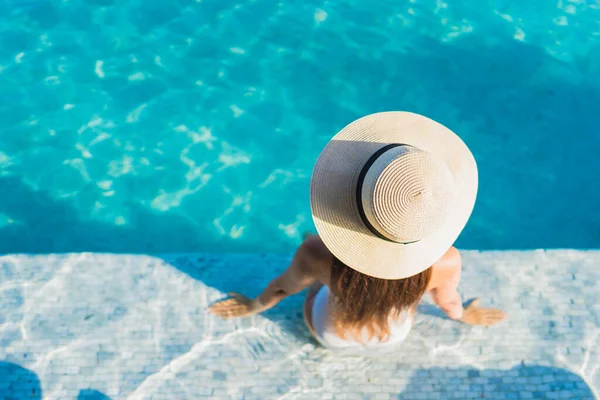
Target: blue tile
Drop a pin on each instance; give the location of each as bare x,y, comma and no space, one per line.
219,375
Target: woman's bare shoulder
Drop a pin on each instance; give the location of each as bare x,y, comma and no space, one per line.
318,257
446,270
315,246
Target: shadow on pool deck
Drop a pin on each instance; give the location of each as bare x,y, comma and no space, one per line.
216,272
18,383
91,394
522,382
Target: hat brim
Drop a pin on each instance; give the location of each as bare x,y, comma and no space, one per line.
333,193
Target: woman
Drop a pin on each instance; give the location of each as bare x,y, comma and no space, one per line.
390,193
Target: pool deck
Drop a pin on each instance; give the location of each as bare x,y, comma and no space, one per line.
93,326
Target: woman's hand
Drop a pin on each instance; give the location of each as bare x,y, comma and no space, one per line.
298,276
475,315
236,306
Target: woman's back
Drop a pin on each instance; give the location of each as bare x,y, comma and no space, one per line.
366,310
324,324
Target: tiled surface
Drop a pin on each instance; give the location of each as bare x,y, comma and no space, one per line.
91,326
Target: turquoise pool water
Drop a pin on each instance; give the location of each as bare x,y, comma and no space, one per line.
154,126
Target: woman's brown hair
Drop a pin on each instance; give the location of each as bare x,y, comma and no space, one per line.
363,301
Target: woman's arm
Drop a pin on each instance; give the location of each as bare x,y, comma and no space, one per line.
444,292
444,281
297,277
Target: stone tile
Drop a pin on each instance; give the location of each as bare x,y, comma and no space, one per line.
147,334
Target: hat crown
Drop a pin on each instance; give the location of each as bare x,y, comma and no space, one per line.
407,194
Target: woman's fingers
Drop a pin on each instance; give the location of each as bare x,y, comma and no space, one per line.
475,315
237,305
489,316
493,316
230,311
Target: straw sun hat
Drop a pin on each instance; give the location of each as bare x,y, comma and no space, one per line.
391,192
